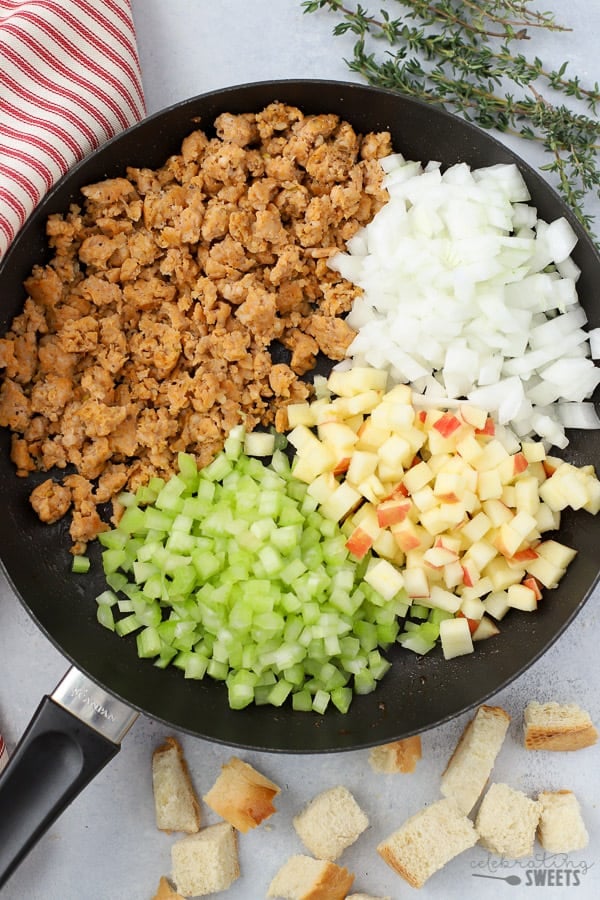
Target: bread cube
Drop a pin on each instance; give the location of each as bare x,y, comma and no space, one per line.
241,795
507,821
175,802
554,726
561,828
330,823
305,878
469,767
397,756
206,862
427,841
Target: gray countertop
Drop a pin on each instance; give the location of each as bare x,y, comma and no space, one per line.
106,846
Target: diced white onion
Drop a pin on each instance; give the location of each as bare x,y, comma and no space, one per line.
466,292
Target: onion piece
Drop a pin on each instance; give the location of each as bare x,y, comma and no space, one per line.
467,293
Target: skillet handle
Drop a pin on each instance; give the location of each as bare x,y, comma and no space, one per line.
57,757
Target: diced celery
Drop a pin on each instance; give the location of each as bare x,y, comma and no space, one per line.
80,564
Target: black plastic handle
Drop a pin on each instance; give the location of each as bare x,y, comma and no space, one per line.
56,758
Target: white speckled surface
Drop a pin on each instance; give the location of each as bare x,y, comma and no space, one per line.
106,847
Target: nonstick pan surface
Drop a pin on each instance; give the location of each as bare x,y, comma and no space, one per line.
418,692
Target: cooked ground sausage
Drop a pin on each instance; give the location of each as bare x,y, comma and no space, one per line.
149,331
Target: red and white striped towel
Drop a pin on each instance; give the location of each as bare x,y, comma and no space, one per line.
69,80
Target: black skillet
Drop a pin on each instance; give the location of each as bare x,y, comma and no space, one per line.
417,693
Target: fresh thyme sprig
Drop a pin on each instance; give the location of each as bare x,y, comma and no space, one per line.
460,54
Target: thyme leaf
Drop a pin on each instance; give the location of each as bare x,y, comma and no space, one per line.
464,55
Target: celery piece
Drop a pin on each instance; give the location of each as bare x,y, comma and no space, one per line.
80,564
302,701
105,617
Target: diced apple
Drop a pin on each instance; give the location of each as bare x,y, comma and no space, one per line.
385,545
443,517
488,430
301,436
471,572
337,435
417,477
323,487
501,575
473,609
481,553
391,512
508,540
357,380
559,554
522,597
524,524
474,416
489,485
527,498
394,450
449,486
546,518
533,451
455,637
492,455
496,604
545,571
372,488
410,536
469,448
438,557
479,589
440,598
363,403
312,462
424,499
447,424
534,585
477,527
363,463
497,512
385,578
416,583
344,499
453,574
299,414
486,629
365,533
370,437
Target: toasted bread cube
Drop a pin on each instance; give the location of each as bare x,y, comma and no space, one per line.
427,841
552,726
305,878
241,795
397,756
330,823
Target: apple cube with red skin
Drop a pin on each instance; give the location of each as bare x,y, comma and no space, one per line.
520,596
393,511
416,583
486,628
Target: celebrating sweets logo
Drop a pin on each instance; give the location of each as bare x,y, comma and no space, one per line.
541,870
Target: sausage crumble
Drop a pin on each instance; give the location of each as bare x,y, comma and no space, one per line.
151,329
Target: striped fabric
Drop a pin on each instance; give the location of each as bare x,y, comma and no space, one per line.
69,80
